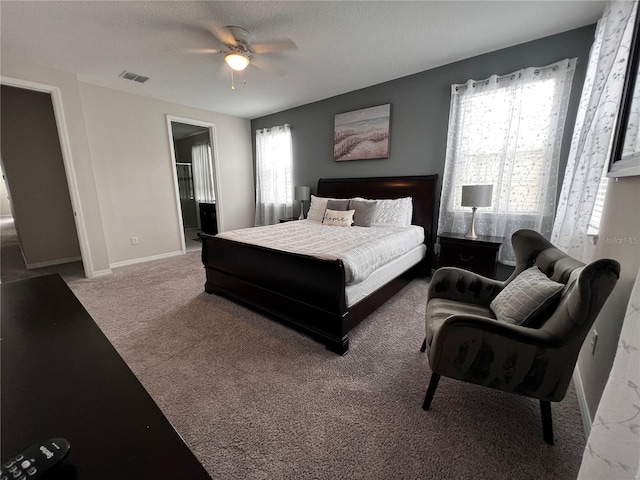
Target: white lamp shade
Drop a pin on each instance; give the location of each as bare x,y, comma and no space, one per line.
237,61
476,195
302,193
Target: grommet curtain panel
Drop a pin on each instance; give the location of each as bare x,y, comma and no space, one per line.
595,126
506,131
274,186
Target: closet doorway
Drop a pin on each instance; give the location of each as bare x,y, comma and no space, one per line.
193,152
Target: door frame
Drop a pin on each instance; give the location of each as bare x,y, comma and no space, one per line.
67,160
214,160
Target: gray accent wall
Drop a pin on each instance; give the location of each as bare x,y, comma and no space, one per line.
419,112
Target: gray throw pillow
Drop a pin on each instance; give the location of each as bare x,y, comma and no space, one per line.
339,205
364,212
528,295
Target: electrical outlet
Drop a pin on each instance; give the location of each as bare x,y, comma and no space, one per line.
134,240
594,342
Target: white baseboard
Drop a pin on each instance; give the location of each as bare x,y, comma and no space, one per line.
582,402
51,263
125,263
101,273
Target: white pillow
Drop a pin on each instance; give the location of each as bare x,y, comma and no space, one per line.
393,213
341,218
316,208
526,298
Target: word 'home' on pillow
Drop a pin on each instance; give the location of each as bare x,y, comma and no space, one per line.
527,298
341,218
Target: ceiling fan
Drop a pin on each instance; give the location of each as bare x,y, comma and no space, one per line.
239,52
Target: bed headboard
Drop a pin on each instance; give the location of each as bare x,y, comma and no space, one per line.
421,188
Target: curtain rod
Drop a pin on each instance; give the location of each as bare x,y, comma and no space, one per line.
537,70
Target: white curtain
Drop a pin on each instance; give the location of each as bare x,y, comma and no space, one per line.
595,122
613,447
185,181
274,161
506,131
202,169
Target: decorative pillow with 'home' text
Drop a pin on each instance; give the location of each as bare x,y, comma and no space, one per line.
341,218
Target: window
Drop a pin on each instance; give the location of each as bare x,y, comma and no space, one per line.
506,131
596,215
274,184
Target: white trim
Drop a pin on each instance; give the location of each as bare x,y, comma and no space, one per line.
102,273
50,263
625,167
176,191
582,402
63,136
134,261
216,173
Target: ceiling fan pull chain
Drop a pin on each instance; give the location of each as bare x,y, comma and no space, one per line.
233,87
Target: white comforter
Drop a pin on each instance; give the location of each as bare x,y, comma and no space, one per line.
361,249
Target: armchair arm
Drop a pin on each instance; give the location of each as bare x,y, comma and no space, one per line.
506,357
460,285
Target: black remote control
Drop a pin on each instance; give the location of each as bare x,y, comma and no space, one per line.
36,460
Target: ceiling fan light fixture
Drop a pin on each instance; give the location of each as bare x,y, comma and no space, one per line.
237,61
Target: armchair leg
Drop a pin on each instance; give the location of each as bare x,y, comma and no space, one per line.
431,390
547,424
424,345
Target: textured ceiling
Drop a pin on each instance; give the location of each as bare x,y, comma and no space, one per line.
342,46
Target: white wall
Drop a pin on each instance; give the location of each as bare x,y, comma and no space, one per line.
619,239
123,171
129,144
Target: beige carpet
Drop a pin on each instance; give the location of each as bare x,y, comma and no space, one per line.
12,265
256,399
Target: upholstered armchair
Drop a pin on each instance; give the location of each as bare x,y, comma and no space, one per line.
522,335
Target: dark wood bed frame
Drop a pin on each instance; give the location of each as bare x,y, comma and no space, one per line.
307,292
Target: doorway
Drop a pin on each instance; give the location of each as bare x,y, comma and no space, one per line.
194,161
36,187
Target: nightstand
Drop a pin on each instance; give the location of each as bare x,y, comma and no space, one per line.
288,219
208,218
479,255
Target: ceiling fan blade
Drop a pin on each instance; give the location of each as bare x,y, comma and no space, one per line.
202,51
222,34
274,46
268,67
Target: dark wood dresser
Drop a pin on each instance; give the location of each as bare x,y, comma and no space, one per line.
61,377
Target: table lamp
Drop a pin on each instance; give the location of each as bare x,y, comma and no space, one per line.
303,194
475,196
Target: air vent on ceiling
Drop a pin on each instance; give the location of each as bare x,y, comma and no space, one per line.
133,76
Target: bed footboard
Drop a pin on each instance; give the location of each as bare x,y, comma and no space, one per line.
297,289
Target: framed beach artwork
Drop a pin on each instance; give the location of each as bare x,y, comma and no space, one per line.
362,134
